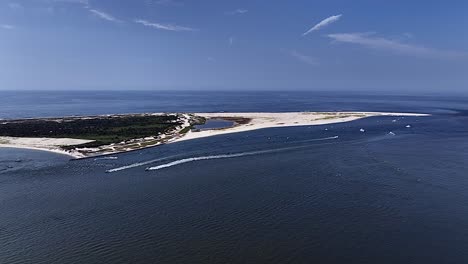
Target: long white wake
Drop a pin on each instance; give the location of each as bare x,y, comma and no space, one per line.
227,156
139,164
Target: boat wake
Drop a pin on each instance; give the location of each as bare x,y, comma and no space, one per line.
223,156
139,164
228,156
182,161
106,158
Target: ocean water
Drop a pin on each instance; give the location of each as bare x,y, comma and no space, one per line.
312,194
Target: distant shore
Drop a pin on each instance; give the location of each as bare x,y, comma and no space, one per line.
242,122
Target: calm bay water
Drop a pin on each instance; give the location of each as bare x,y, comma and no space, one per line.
314,194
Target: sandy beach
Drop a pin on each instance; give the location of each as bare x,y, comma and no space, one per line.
44,144
255,121
269,120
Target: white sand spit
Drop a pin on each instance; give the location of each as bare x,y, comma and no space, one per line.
256,121
45,144
267,120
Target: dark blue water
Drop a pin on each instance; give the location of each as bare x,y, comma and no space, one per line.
15,104
291,195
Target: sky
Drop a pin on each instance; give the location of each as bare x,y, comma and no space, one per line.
359,45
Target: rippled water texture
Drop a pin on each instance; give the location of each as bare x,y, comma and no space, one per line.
313,194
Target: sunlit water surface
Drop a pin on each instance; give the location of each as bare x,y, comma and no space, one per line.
313,194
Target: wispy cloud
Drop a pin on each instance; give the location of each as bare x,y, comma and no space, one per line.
323,23
231,41
83,2
5,26
239,11
304,58
14,5
169,27
103,15
165,2
368,40
408,35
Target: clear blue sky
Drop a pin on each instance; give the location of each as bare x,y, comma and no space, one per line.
377,45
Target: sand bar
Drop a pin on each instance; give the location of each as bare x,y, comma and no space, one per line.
251,121
269,120
44,144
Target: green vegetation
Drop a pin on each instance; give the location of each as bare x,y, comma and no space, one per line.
186,130
103,130
196,120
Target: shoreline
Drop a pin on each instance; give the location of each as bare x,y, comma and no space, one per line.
286,119
256,121
55,151
44,144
